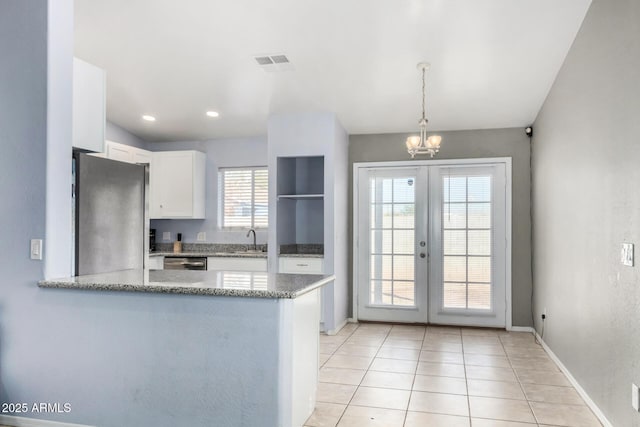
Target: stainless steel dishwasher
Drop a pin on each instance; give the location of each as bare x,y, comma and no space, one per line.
185,263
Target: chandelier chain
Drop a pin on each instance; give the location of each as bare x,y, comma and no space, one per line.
423,93
421,144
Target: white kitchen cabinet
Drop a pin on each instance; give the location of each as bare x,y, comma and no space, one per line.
177,185
300,265
156,263
89,101
126,153
237,264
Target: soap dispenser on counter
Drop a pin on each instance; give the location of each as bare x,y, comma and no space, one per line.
177,245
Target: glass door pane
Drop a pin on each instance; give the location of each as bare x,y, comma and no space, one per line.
391,264
391,247
467,274
466,240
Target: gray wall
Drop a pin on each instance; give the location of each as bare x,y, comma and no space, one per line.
586,164
234,152
463,145
115,133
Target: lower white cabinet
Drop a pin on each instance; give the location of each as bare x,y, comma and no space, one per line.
156,263
237,264
299,265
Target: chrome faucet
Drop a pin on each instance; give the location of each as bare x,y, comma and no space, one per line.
251,230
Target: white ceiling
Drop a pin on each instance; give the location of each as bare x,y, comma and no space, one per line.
493,61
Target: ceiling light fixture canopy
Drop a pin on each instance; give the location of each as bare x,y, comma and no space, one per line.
420,144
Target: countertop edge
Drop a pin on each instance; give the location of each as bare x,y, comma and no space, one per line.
125,287
316,285
261,255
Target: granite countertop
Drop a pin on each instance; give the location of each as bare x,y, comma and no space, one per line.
232,254
212,254
215,283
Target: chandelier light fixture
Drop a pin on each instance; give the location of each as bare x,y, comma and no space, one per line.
421,144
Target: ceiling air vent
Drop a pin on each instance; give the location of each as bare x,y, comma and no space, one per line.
276,62
264,60
280,59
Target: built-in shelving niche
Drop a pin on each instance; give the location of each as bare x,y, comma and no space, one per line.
300,191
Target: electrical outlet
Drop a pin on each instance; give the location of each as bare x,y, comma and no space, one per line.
166,235
544,313
626,255
635,397
202,236
36,249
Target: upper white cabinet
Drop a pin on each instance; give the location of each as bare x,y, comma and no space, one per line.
177,185
88,106
126,153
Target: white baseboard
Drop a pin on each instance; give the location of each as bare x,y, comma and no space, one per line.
352,320
590,403
337,329
520,329
10,420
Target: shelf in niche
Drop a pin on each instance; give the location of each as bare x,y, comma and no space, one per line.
301,196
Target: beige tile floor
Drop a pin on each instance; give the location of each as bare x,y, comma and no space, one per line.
427,376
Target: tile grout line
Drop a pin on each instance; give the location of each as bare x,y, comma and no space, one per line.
332,354
466,378
365,373
387,336
535,417
415,374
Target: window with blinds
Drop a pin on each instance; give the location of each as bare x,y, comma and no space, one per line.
467,242
392,231
244,197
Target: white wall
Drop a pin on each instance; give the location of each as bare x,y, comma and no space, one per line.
115,133
220,153
59,91
323,136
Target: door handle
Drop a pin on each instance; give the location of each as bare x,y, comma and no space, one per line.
422,255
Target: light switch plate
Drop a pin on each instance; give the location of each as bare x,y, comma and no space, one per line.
166,235
202,236
635,397
627,254
36,249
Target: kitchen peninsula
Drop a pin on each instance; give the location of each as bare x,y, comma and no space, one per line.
237,348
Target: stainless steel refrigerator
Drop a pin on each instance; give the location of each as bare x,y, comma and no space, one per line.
111,215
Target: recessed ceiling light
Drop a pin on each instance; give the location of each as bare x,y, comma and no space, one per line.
212,113
148,118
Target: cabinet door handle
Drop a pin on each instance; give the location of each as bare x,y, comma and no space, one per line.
302,265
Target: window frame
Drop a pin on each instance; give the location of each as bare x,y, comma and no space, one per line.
222,197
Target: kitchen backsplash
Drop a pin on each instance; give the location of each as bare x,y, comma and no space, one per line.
315,249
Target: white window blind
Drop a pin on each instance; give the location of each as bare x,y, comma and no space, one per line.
244,197
392,228
467,239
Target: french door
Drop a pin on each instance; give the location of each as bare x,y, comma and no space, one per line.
431,244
